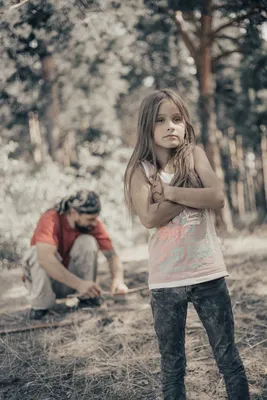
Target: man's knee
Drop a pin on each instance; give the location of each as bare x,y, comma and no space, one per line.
41,295
84,243
43,301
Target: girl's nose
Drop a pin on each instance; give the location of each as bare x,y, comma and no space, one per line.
170,126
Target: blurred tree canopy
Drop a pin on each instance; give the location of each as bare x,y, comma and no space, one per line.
74,72
77,63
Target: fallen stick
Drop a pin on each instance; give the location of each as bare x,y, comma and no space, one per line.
43,325
251,318
107,295
254,345
18,5
94,311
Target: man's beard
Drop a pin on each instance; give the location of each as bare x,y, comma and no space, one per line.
83,229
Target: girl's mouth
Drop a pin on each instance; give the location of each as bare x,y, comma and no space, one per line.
171,137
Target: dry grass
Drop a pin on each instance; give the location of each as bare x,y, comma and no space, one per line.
115,356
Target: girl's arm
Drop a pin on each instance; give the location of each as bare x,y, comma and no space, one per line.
150,215
212,196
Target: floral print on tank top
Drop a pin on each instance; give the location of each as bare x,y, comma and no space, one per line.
186,251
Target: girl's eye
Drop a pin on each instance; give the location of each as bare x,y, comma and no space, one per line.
159,120
177,119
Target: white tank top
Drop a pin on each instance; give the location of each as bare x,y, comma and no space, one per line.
186,251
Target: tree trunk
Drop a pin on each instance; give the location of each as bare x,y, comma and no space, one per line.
69,149
35,137
234,166
52,106
207,110
240,182
223,216
206,102
264,164
251,191
259,184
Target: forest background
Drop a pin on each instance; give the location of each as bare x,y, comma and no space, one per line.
73,76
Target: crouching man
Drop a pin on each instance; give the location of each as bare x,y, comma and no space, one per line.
62,259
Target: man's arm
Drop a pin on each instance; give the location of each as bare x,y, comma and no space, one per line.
46,254
116,270
115,264
150,214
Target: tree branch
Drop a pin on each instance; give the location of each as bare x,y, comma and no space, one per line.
217,7
191,18
225,54
179,21
18,5
227,37
233,21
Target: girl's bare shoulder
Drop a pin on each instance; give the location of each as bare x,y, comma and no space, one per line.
139,173
198,151
199,155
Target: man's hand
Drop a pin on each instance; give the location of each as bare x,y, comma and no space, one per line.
89,289
118,287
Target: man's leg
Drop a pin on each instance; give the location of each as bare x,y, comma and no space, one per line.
169,307
213,305
83,263
41,295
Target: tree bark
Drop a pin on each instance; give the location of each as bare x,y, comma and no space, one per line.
35,137
52,106
240,182
264,164
234,167
207,110
69,149
251,191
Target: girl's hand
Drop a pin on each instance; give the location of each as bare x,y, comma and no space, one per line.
158,190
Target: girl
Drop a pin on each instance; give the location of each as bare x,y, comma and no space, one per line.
170,184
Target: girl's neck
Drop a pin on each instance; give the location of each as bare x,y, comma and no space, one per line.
168,168
164,161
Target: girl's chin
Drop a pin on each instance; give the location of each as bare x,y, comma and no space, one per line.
170,146
174,145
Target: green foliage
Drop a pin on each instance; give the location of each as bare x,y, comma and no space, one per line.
103,53
241,90
88,57
108,55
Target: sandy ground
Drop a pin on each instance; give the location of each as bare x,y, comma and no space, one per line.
113,355
13,294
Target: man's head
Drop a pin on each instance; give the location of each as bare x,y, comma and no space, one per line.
82,210
84,223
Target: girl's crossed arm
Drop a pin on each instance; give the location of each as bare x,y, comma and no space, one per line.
150,214
211,196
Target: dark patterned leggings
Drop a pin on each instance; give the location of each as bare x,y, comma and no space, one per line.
213,305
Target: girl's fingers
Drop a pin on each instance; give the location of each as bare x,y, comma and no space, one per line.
157,189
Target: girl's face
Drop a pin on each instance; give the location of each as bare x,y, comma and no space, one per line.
169,129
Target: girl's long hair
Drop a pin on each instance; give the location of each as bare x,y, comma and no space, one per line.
184,172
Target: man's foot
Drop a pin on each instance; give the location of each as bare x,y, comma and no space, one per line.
37,314
94,302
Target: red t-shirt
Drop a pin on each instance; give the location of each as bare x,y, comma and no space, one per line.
54,229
